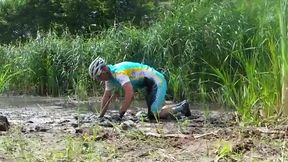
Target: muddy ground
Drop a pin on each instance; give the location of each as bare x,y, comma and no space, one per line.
64,129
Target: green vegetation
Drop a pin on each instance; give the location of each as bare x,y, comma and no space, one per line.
21,19
6,76
284,57
210,51
94,145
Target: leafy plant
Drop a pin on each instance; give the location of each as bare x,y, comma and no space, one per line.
6,76
224,151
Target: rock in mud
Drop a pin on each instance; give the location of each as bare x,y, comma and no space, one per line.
41,128
127,124
79,117
140,114
226,132
87,118
243,146
74,125
221,119
102,136
4,124
35,128
116,118
199,120
63,121
106,123
195,130
82,130
214,117
195,114
196,124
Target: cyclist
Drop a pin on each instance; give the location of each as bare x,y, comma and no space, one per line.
132,76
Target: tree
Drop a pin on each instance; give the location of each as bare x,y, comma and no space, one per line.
23,20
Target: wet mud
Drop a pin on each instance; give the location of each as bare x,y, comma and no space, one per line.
46,123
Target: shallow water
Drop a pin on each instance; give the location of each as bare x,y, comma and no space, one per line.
93,104
23,101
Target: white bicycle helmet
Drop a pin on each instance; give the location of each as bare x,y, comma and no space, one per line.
95,67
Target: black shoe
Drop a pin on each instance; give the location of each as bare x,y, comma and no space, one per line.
186,110
151,116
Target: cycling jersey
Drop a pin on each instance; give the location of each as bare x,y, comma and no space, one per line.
138,74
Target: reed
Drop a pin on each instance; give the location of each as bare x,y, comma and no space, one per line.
282,12
225,52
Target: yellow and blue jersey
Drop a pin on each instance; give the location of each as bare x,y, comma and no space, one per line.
136,73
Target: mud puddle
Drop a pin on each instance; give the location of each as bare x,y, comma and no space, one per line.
64,129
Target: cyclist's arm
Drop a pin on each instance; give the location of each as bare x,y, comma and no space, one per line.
105,102
129,94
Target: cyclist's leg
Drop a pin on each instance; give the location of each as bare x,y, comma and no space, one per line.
150,96
159,92
167,110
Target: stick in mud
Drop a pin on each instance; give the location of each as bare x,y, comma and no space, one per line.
168,135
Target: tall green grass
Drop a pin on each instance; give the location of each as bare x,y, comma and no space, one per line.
225,52
282,12
5,77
